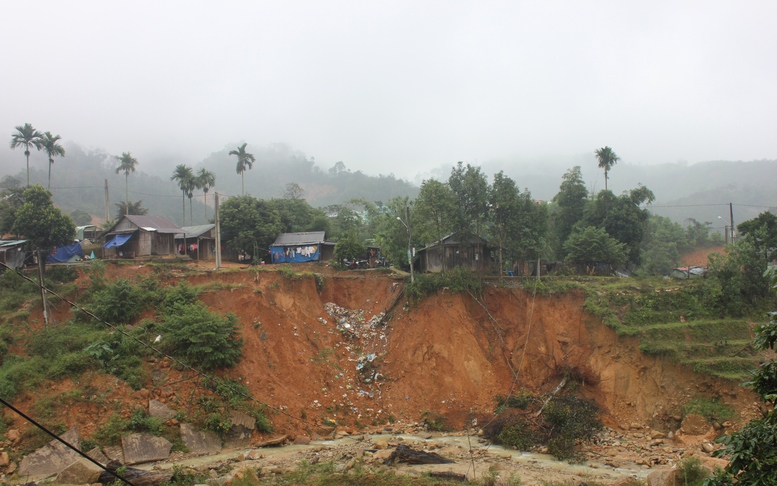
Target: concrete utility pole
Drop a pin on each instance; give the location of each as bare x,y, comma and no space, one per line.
731,217
409,242
42,291
218,233
107,211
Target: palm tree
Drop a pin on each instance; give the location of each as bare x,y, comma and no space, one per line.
607,158
26,137
185,179
245,161
205,180
127,164
48,144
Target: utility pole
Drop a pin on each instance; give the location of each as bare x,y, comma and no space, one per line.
725,232
107,212
731,217
409,244
42,291
218,233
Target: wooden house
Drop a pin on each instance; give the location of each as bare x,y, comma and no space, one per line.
136,236
467,251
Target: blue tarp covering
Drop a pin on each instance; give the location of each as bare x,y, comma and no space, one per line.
295,254
118,240
62,254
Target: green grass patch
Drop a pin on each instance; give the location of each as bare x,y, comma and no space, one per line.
711,409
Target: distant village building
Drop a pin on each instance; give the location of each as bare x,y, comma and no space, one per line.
301,247
200,241
135,236
12,252
469,252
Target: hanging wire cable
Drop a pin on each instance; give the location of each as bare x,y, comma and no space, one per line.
67,444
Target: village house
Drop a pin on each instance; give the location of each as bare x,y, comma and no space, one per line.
136,236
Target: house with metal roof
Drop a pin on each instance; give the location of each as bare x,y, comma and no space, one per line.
455,250
136,236
199,241
309,246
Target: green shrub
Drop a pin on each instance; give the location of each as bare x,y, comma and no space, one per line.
202,337
182,294
62,274
218,423
521,401
458,280
518,435
119,302
711,409
691,472
110,432
141,421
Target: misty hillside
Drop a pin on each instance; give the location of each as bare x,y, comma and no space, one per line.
701,191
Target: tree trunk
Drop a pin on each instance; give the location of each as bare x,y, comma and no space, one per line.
126,193
27,153
183,204
50,164
205,200
243,180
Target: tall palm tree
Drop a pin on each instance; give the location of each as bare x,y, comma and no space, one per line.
607,158
205,180
26,137
127,164
185,178
48,143
245,161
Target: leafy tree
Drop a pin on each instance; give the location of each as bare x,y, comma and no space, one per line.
344,220
10,201
293,191
133,208
81,217
697,235
40,222
245,161
569,204
205,180
246,221
127,164
661,246
752,451
606,158
503,200
740,274
435,208
297,215
185,178
26,136
764,230
201,337
48,143
589,244
350,247
470,188
622,217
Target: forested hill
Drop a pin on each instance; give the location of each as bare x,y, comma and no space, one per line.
78,182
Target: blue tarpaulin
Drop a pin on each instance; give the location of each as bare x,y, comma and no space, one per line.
118,240
62,254
295,254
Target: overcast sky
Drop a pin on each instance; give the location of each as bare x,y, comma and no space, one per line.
397,86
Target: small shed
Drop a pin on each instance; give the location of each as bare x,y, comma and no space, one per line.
12,253
685,273
86,232
309,246
134,236
200,241
467,251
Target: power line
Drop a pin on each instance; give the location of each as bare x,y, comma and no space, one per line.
67,444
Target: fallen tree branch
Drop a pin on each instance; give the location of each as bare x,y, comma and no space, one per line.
558,388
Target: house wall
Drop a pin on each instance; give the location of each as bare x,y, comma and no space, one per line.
475,258
161,244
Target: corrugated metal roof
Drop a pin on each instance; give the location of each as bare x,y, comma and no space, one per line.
12,242
307,238
194,231
160,224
